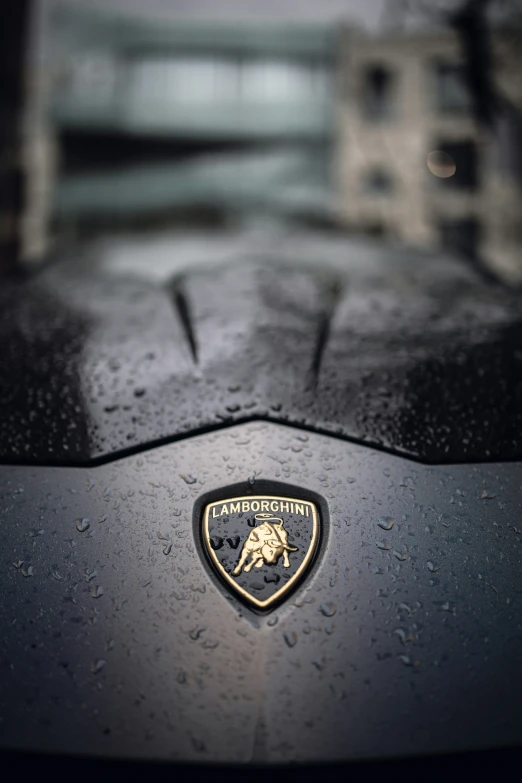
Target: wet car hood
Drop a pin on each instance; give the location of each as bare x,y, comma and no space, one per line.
408,353
360,376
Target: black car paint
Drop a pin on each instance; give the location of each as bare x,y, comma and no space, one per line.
411,361
120,640
400,641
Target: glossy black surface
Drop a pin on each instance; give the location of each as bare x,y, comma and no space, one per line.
406,352
118,639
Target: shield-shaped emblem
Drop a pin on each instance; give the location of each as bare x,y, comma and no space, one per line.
261,545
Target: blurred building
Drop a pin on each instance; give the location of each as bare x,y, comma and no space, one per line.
404,96
151,123
154,120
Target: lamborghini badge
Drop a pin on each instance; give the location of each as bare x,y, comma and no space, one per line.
261,545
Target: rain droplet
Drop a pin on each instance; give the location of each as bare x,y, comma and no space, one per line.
328,609
320,665
27,571
400,555
385,545
18,564
350,480
167,548
305,599
272,621
97,592
405,659
432,567
187,478
290,638
161,536
89,575
386,523
82,525
97,666
196,633
403,635
216,542
487,495
35,533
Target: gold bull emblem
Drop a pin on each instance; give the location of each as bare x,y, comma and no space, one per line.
265,545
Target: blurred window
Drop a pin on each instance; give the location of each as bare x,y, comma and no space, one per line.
281,81
190,80
465,157
378,181
211,81
93,76
374,229
452,92
507,142
460,236
377,93
320,79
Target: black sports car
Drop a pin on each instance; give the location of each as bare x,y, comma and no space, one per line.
260,488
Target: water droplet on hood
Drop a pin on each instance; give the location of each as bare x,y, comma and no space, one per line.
386,523
328,609
403,635
187,478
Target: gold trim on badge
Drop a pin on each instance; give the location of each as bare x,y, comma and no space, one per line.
266,543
